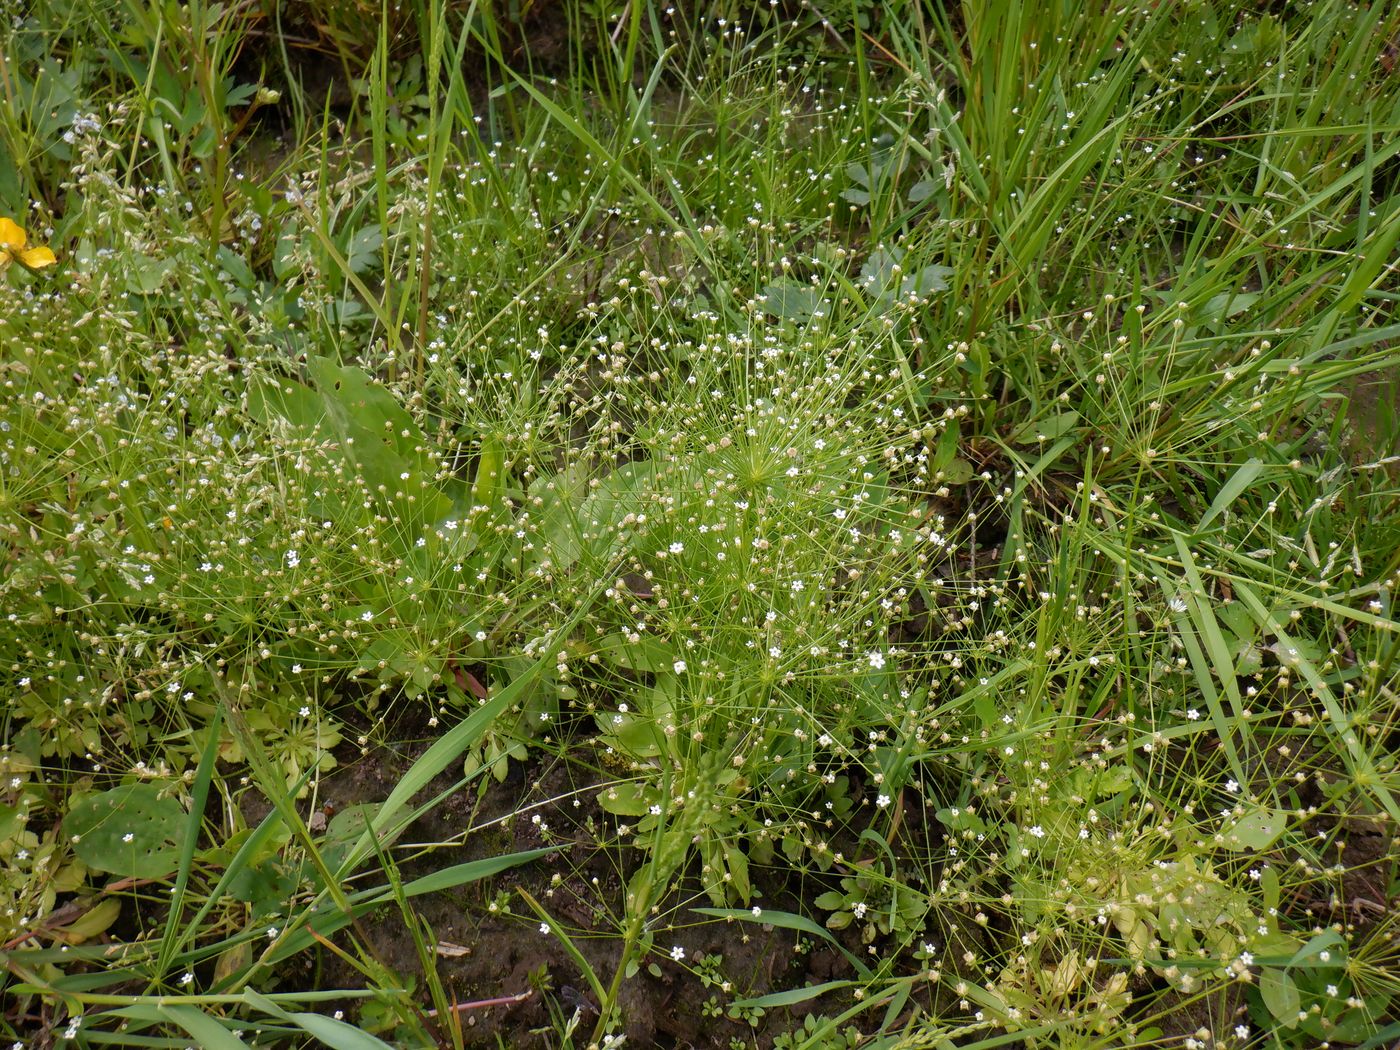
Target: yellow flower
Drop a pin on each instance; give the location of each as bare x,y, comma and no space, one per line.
12,249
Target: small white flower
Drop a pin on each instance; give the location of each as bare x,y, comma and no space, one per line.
544,927
677,953
876,659
882,801
679,667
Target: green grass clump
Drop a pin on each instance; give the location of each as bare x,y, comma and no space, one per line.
924,475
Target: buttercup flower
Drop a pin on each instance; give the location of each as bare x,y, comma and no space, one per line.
12,248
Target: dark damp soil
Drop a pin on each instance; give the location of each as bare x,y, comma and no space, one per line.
322,46
488,945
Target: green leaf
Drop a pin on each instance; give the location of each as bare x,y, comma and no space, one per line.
369,429
624,800
490,468
922,190
877,272
925,281
958,472
1280,996
1240,480
1382,1038
882,277
199,796
947,448
1050,428
646,654
1270,885
1330,942
1256,830
343,831
237,268
92,922
471,871
135,830
790,300
206,1030
1228,304
557,499
148,275
737,863
363,409
336,1034
793,996
1210,658
362,252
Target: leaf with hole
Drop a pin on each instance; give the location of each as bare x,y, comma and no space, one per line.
1256,830
134,830
625,800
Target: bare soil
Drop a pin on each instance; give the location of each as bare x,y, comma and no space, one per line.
488,954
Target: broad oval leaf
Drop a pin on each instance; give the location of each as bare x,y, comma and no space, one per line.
134,830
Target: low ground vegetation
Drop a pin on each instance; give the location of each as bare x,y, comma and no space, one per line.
599,524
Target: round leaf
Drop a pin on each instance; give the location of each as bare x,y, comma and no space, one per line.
133,830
